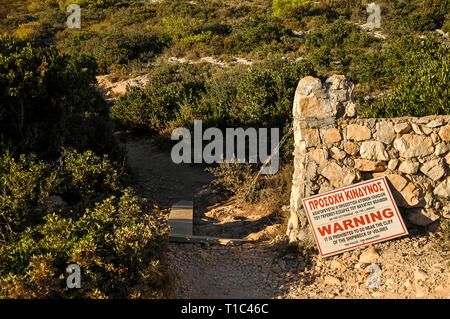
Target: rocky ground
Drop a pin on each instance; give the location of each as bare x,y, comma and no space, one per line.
412,267
112,89
415,267
217,216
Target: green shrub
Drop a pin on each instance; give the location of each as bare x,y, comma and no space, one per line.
256,96
260,96
339,34
27,182
24,185
265,94
113,235
430,17
118,246
369,71
29,31
422,21
321,57
112,47
289,8
252,32
133,110
86,174
42,91
419,71
155,106
68,204
90,132
215,106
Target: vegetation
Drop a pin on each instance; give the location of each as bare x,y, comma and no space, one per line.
419,71
41,93
112,238
63,197
289,8
178,94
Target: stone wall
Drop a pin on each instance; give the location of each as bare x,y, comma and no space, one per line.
333,148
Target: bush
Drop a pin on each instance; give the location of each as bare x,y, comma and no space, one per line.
118,245
42,91
214,106
155,106
65,205
430,17
289,8
422,21
339,34
117,240
86,174
253,32
321,57
112,48
260,97
265,94
29,31
420,73
90,132
24,185
27,182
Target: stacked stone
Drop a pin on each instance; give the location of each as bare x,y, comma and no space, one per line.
316,106
334,149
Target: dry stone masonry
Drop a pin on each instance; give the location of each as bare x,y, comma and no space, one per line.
334,148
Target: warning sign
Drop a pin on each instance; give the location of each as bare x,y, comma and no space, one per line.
354,216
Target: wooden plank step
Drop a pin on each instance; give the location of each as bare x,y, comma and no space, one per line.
193,239
181,218
181,222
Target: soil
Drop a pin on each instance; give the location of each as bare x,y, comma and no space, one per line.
158,178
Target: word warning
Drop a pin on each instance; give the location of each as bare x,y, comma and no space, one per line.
354,216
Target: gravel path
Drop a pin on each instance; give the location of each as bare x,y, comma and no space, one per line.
204,271
158,178
415,267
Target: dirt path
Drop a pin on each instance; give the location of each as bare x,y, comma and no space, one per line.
243,271
158,178
417,266
204,271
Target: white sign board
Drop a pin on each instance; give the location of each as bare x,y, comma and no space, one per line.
354,216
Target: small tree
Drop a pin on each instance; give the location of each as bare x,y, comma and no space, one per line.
40,92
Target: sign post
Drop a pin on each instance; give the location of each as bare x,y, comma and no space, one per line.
354,216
